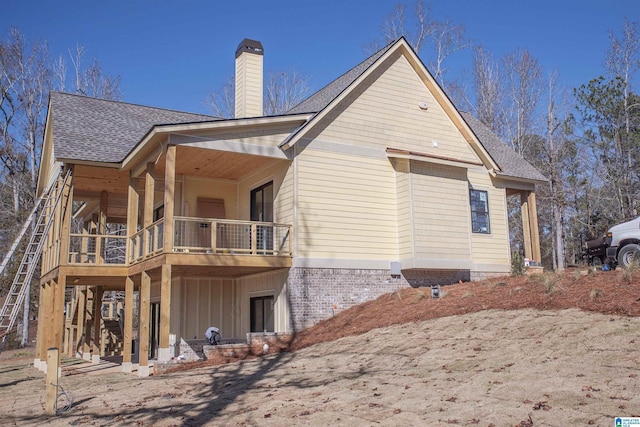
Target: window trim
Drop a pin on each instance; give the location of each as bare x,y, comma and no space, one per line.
486,213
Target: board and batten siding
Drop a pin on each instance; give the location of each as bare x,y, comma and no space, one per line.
204,302
441,217
259,285
200,302
491,249
346,206
384,112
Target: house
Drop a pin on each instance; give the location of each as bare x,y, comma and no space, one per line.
269,224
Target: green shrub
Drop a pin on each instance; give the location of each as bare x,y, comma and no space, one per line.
517,264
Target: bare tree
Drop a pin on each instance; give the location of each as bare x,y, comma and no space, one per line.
523,77
447,38
488,89
91,81
438,40
283,91
221,102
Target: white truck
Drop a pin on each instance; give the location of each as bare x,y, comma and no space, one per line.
621,246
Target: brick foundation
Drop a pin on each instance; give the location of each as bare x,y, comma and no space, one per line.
319,293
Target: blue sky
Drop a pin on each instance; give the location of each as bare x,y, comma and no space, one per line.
171,53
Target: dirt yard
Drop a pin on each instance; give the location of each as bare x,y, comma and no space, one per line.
550,350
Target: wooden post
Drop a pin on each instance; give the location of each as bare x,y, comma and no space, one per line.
66,208
58,312
533,226
133,200
254,239
169,197
143,327
127,365
43,320
49,317
39,355
77,345
164,351
97,329
149,189
53,363
102,216
526,225
88,311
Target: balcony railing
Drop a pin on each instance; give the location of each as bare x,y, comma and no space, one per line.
153,235
206,235
98,249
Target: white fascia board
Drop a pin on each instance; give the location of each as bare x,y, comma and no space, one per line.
214,125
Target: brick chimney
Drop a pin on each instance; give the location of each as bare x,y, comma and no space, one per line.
249,79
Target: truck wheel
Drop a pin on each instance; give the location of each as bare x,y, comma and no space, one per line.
629,254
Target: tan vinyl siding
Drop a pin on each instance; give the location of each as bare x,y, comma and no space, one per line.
440,212
363,119
346,206
404,206
491,248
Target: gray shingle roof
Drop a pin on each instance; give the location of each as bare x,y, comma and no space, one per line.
510,162
324,96
93,129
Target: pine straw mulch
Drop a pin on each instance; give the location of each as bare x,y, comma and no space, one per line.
613,292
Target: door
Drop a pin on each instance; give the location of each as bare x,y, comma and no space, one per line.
262,314
208,208
154,330
262,211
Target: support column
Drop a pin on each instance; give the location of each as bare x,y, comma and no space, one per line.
169,197
526,225
97,330
164,350
143,327
65,223
39,356
88,322
127,365
49,316
44,320
149,189
533,226
133,200
58,313
77,345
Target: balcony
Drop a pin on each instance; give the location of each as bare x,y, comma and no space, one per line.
213,236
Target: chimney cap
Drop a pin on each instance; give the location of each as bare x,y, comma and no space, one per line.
250,46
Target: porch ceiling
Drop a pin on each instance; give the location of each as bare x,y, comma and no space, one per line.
208,163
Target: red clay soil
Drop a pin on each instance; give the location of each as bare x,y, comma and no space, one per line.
612,292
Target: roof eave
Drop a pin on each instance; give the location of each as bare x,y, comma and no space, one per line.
159,130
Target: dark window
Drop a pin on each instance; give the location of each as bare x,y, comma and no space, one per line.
262,203
262,314
262,211
479,211
158,213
